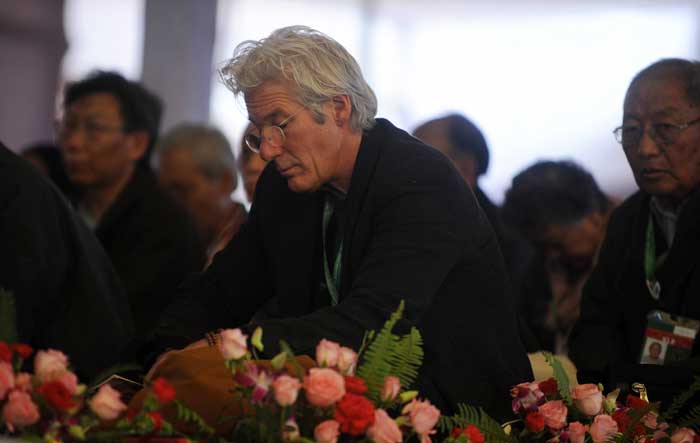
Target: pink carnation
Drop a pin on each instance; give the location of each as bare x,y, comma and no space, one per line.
327,353
588,399
7,378
286,389
603,428
324,386
19,410
554,413
327,432
107,403
232,345
384,429
49,364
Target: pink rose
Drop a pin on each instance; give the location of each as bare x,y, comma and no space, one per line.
588,399
683,435
554,413
577,432
347,360
423,416
19,410
384,429
650,420
233,344
391,388
603,428
23,381
70,381
327,353
286,389
324,386
107,403
327,432
49,364
7,378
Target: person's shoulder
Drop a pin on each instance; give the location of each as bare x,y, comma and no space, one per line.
624,213
19,179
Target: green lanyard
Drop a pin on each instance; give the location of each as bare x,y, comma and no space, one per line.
331,280
650,263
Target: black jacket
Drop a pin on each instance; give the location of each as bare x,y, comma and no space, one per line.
413,232
607,340
68,296
153,245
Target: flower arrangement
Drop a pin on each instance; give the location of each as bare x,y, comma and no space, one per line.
553,412
51,405
337,399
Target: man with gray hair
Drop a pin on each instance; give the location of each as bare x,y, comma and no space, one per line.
351,216
196,165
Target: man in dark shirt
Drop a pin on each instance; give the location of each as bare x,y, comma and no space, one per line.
109,126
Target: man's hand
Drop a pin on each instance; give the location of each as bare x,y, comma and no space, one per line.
166,355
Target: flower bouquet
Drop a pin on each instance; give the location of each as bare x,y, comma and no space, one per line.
51,405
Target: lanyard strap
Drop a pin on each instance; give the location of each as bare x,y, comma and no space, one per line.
332,280
651,265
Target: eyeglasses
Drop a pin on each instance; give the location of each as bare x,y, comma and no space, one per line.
272,134
662,133
92,129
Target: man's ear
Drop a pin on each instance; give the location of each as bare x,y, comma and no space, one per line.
342,108
137,144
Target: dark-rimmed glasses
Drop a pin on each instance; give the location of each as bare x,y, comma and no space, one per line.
272,134
663,133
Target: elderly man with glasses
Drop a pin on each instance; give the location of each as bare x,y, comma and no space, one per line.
351,216
646,284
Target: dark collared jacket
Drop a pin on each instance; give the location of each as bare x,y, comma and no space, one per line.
412,231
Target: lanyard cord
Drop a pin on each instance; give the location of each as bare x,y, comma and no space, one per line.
651,265
331,280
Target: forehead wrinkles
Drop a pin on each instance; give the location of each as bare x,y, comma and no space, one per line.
263,105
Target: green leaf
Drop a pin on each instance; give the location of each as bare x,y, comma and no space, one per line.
560,376
470,415
189,416
680,400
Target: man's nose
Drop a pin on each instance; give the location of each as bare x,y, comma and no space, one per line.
268,151
72,139
647,146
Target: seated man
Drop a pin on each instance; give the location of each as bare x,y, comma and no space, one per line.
559,209
648,271
351,216
196,165
67,295
108,128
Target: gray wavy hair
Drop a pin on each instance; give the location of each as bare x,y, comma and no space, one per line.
317,65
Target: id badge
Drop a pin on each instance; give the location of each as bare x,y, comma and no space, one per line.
668,338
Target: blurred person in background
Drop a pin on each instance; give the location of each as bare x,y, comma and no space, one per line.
251,165
47,157
196,165
649,267
109,126
66,293
559,208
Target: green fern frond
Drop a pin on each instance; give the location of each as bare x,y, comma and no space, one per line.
376,364
470,415
680,400
407,358
560,376
691,419
189,416
8,317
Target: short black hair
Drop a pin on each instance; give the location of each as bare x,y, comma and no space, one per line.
551,193
688,71
140,108
464,138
